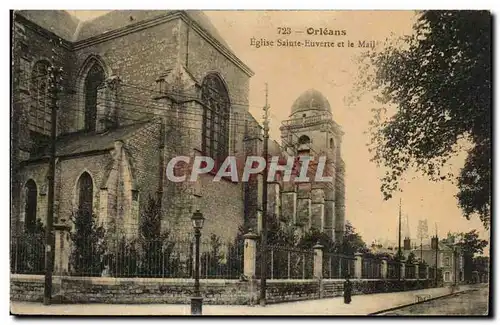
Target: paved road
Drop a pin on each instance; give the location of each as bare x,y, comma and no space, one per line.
361,305
463,304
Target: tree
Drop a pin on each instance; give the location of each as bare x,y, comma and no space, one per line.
470,245
481,265
439,79
212,260
156,248
411,258
234,265
278,235
89,246
28,251
351,242
313,237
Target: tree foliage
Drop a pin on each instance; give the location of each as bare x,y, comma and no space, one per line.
411,258
156,249
470,242
88,244
439,79
352,242
28,250
481,264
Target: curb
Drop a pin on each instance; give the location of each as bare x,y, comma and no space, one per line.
420,302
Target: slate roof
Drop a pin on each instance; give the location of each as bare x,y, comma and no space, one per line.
76,143
59,22
67,26
79,143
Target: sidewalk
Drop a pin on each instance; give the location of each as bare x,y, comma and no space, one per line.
360,305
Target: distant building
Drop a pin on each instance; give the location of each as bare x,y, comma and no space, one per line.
449,259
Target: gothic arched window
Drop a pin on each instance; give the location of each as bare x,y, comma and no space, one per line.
30,205
40,115
215,134
94,79
85,193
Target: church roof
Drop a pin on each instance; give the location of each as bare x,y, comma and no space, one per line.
70,28
59,22
311,100
76,143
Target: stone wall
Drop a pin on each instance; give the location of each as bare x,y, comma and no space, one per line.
179,291
291,290
129,290
335,287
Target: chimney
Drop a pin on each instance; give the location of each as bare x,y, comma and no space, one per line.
406,244
434,243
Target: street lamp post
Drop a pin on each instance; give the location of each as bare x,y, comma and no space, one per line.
197,299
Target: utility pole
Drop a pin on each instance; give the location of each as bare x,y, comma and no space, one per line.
55,77
263,260
437,250
399,240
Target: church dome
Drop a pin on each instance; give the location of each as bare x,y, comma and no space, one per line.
311,100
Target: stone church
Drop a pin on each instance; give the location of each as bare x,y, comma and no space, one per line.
139,88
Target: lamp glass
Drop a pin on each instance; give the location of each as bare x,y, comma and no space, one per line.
197,220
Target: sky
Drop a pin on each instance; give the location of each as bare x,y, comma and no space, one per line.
291,71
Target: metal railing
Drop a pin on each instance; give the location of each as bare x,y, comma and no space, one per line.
337,266
410,271
371,268
27,254
133,258
422,271
287,263
393,269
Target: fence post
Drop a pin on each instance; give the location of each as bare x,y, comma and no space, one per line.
249,254
383,270
249,260
416,270
403,269
318,261
358,264
318,266
62,248
427,273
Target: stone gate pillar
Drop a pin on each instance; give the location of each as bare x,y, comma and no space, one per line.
403,268
318,266
384,268
62,249
249,254
249,261
358,264
318,261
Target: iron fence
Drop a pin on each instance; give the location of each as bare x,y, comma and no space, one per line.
371,268
422,271
393,269
157,258
27,254
410,271
286,263
337,266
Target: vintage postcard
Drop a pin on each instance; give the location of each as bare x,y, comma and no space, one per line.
181,162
